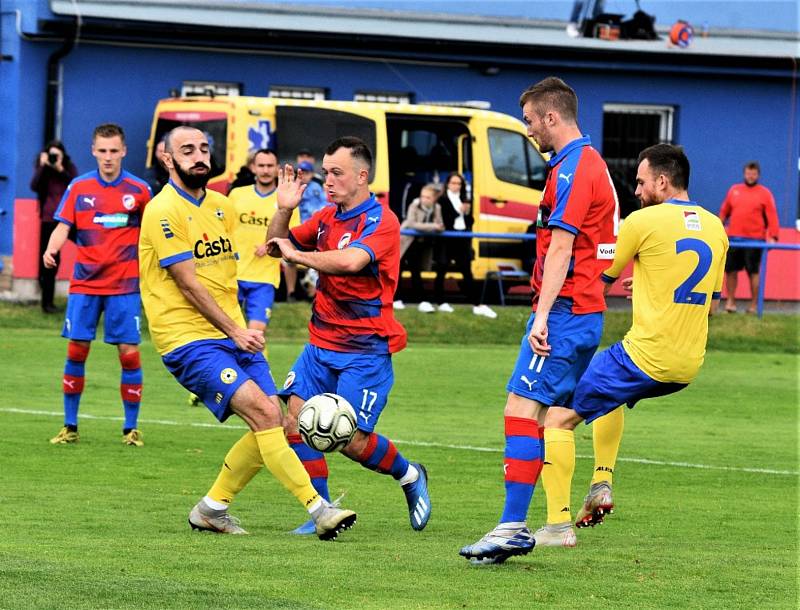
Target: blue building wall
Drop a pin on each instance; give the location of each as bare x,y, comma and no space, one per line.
722,122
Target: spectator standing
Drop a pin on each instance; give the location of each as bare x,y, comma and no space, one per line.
457,216
52,174
424,214
105,209
749,209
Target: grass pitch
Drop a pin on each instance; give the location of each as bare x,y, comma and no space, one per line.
706,488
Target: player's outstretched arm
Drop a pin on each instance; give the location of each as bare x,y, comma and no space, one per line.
249,340
334,262
57,239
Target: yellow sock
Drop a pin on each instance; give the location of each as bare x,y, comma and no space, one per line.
241,464
559,464
607,435
285,466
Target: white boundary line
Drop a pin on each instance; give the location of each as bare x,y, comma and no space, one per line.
218,426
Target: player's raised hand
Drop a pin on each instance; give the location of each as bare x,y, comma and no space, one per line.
249,340
290,189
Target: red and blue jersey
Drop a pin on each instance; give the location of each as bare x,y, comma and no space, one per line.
578,197
353,313
106,217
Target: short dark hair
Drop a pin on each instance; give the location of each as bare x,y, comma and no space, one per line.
669,160
357,147
753,165
552,93
108,130
265,151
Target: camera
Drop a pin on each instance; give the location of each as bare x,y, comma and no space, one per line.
52,158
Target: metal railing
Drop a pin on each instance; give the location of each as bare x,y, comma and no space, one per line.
532,236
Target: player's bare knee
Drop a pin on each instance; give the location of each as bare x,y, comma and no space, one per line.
356,446
255,407
519,406
561,418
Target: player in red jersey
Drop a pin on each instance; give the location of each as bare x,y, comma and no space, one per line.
105,209
355,248
575,240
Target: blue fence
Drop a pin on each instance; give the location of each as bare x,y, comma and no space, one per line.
532,236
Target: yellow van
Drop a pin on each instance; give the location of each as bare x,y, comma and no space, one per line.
413,145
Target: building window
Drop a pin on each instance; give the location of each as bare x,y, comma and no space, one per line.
627,130
193,88
298,93
390,97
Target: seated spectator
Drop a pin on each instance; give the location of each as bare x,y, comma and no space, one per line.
424,214
457,216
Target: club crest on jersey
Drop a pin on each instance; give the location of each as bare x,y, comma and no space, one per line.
220,214
228,376
289,380
128,202
345,239
691,220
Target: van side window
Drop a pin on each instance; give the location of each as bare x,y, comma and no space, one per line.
515,160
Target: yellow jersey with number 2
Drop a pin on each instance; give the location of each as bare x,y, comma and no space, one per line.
678,249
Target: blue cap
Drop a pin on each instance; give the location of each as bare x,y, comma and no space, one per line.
306,166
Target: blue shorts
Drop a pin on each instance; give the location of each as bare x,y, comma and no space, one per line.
256,299
573,338
121,320
213,369
364,380
611,380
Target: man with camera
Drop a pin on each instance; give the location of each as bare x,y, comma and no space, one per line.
52,173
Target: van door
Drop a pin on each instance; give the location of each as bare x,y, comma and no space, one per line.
423,149
509,178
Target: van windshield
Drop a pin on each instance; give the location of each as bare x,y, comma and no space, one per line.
213,124
515,160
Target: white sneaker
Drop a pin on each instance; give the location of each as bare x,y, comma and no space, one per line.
445,307
426,307
399,304
484,310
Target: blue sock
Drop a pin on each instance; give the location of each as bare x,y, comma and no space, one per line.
522,465
73,387
382,456
314,462
130,387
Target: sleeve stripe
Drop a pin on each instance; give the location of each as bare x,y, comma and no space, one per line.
296,243
175,258
561,225
716,295
607,278
366,249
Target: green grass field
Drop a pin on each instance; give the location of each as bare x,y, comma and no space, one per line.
706,489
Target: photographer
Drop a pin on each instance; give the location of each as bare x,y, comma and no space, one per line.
52,174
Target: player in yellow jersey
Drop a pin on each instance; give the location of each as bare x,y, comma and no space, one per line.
259,274
187,264
678,249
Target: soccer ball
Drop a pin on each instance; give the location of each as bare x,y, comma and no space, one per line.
327,422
